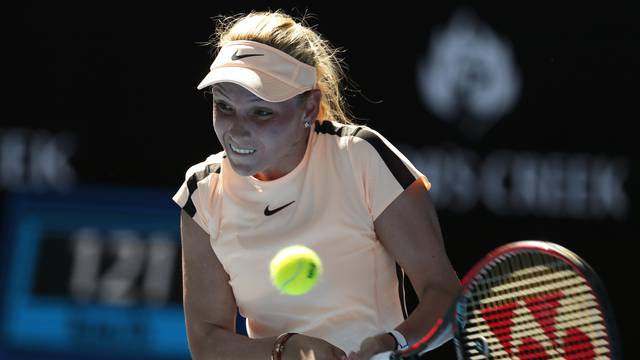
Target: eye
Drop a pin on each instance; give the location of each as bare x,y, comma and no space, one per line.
263,112
223,107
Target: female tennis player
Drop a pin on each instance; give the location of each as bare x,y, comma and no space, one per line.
295,170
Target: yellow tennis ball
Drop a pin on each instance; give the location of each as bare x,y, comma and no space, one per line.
295,270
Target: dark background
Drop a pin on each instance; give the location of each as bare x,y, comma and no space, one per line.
121,79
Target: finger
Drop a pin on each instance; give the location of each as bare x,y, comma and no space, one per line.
339,354
365,355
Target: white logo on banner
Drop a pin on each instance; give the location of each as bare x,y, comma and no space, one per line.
469,75
469,78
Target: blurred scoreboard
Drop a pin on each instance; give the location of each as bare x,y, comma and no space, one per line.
92,272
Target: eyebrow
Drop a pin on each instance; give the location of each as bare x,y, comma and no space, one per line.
219,90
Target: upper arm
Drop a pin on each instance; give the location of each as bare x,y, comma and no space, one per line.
207,295
409,230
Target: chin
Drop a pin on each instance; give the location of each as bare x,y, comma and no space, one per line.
242,170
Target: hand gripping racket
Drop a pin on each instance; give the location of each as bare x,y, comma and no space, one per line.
527,300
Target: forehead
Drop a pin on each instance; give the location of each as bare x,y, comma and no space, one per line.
238,95
235,92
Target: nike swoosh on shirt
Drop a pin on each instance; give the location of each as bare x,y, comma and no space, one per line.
235,55
268,212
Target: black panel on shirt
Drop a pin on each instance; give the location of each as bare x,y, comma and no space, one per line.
398,169
192,185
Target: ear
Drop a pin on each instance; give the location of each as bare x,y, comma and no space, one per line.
311,107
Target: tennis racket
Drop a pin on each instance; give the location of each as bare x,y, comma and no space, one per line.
527,300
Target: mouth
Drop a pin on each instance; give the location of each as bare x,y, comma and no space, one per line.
240,150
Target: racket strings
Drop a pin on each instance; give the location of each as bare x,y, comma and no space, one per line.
535,306
512,275
558,279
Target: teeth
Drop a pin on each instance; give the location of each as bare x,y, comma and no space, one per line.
241,150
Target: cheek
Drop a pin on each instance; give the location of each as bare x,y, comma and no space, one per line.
277,136
222,122
220,126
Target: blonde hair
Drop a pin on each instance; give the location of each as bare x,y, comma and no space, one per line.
296,38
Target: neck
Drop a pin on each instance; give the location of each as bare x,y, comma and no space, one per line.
289,163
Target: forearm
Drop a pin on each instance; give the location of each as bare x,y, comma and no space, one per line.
433,305
218,343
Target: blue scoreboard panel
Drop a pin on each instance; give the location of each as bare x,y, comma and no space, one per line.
92,272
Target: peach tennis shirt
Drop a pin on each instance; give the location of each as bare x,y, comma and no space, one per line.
348,176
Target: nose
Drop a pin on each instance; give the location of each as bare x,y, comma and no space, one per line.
239,130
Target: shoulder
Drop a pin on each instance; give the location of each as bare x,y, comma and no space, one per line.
210,166
370,151
198,182
350,135
360,140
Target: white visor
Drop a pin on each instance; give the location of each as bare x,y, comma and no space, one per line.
269,73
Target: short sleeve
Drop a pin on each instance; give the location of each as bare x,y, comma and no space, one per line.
384,171
193,194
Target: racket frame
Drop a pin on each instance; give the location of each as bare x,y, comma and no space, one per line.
454,317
